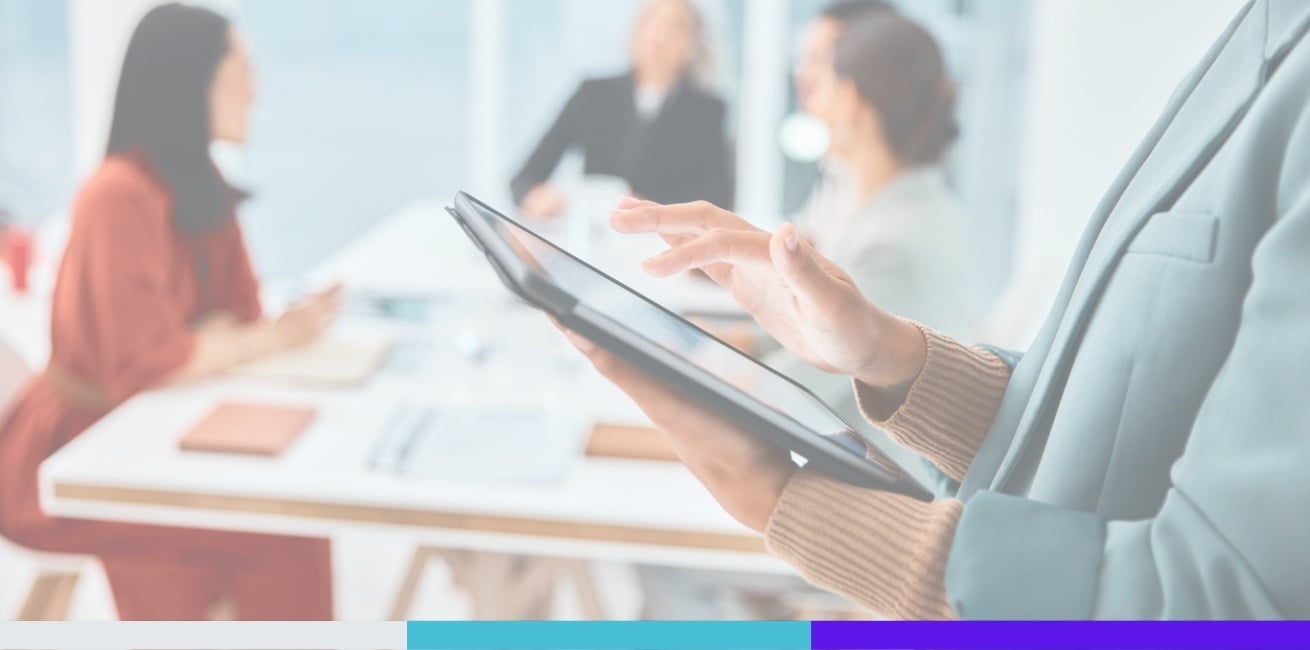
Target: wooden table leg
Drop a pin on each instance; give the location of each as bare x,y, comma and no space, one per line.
584,582
505,587
49,597
409,587
531,591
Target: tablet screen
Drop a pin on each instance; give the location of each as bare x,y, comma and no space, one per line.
633,312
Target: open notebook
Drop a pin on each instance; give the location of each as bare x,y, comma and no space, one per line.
333,360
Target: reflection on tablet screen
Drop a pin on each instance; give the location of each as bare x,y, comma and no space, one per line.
633,312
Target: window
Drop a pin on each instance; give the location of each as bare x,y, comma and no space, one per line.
35,148
362,108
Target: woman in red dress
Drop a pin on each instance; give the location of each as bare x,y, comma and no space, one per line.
156,287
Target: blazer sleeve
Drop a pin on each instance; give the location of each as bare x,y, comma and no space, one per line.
1230,539
545,157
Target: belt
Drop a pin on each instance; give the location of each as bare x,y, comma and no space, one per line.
78,391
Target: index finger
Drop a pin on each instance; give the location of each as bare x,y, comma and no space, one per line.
719,250
694,217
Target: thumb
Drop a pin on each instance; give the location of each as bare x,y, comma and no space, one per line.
817,293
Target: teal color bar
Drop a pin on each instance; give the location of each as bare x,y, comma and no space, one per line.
609,635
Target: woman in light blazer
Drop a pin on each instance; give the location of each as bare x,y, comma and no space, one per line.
884,211
1146,458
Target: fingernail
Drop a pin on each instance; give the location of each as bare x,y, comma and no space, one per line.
793,242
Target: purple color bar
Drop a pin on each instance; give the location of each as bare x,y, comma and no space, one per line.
1060,635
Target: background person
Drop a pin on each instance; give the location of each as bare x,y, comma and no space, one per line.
889,216
156,287
884,210
655,126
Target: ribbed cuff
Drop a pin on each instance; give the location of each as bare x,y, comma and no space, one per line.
883,551
949,408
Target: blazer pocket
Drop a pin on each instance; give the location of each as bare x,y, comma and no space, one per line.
1187,236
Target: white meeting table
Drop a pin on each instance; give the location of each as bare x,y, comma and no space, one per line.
128,467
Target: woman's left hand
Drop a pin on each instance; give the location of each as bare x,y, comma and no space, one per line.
745,474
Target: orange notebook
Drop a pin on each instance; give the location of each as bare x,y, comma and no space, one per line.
256,429
630,442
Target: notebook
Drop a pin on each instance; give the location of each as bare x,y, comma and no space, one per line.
333,360
241,428
627,441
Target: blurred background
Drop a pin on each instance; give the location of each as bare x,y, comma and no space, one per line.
368,107
365,106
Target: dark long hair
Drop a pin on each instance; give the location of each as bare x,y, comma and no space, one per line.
898,68
162,110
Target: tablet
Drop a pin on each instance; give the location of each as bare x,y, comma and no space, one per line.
676,352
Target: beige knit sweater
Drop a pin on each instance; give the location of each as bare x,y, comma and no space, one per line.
885,551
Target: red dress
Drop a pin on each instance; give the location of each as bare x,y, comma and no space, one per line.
128,290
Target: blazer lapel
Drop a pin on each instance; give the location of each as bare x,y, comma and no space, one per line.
1202,118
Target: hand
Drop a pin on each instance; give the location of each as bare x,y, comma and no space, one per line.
543,202
802,299
745,474
307,320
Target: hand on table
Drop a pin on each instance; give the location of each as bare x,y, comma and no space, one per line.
305,321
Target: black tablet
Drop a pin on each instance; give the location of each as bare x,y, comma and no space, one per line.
675,351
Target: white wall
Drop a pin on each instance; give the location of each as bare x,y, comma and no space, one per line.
98,32
1101,73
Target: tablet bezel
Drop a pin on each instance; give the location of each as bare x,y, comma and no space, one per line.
685,377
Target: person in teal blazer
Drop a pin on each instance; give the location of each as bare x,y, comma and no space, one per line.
1147,457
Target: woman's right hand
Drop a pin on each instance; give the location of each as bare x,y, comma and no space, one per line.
307,320
223,342
543,202
802,299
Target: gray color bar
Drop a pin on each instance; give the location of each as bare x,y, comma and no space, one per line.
202,636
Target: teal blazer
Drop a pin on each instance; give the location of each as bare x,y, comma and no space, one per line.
1151,458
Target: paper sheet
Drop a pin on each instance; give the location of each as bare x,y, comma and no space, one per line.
334,360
